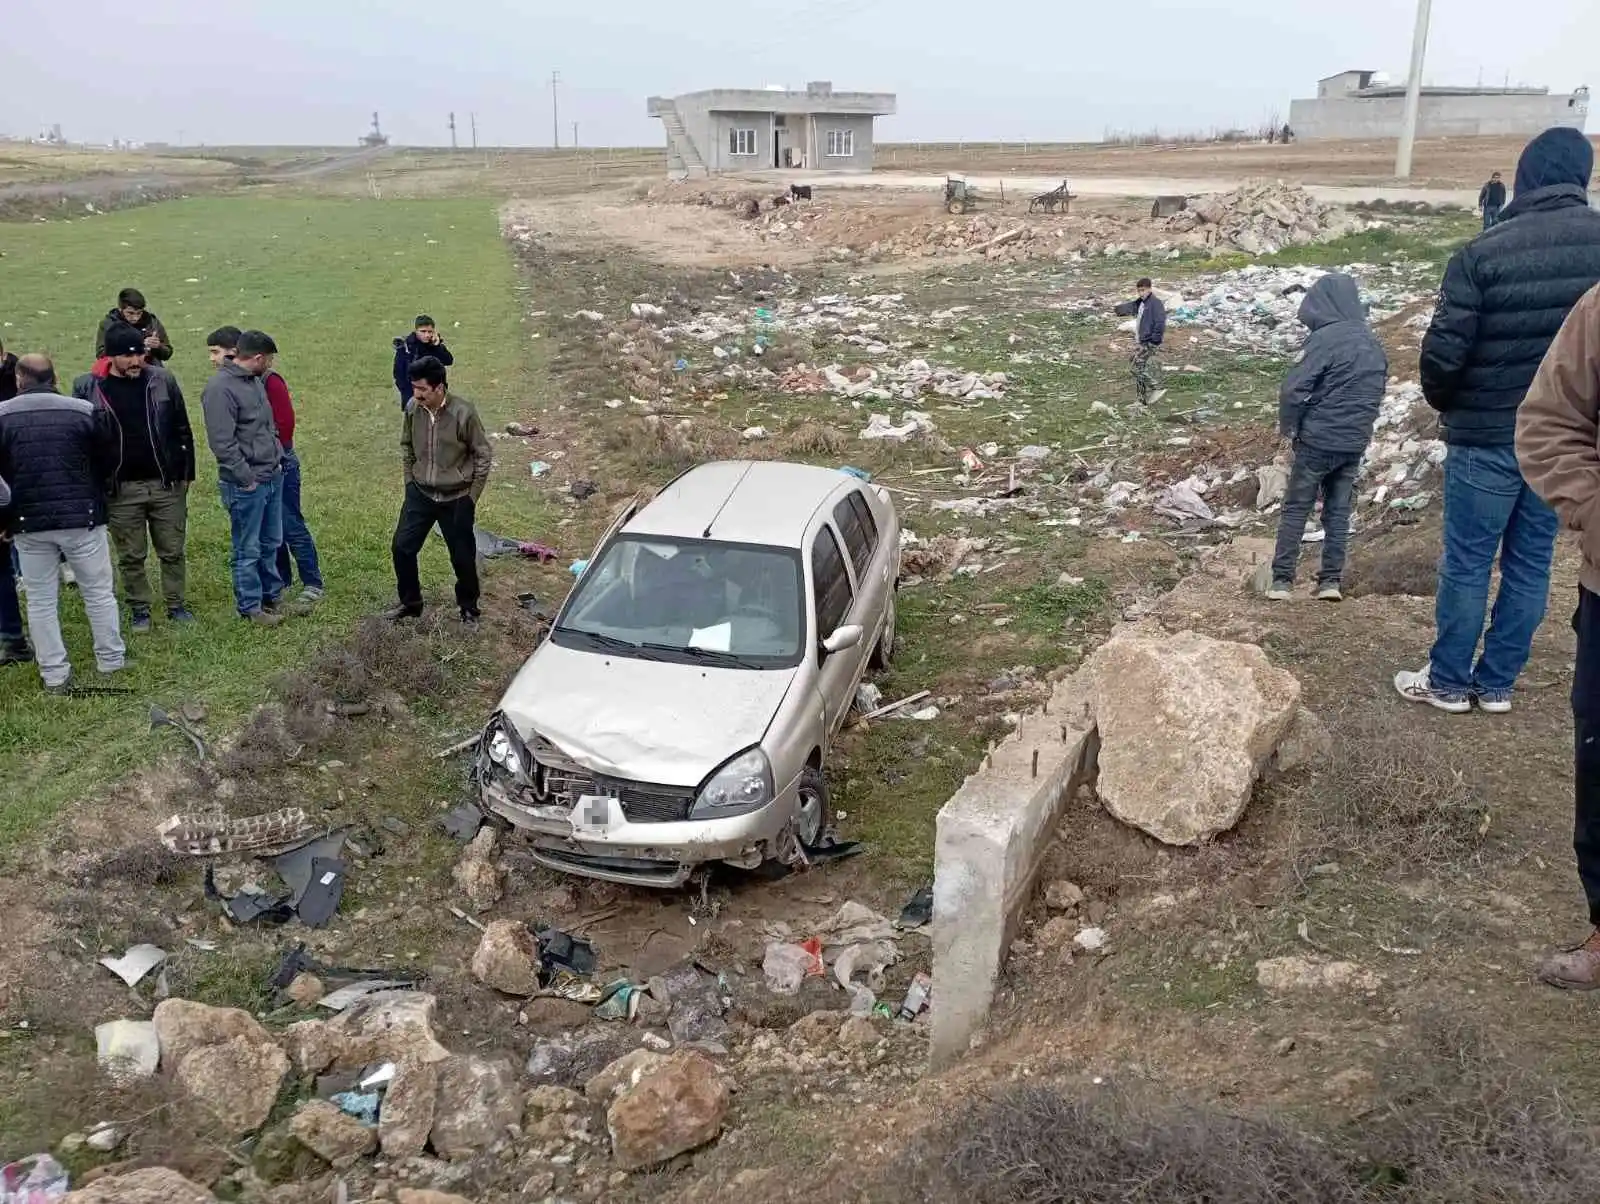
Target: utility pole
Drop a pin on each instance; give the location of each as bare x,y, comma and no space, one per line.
453,132
473,117
574,135
1408,123
555,110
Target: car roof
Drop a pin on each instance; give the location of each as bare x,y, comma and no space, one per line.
741,501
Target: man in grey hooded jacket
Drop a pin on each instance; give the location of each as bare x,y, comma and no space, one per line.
1327,408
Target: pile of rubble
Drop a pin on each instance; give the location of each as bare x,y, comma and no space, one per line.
903,382
1262,217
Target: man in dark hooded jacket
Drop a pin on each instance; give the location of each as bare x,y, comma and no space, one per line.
1504,298
1327,407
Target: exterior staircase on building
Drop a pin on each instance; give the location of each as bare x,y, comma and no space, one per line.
683,157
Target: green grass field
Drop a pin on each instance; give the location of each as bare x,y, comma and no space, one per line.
333,282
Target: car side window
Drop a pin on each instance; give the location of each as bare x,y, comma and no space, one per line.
831,582
854,519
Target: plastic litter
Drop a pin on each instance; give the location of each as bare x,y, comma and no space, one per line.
786,966
619,1001
918,911
491,545
337,1001
860,474
37,1179
577,567
564,984
698,1001
538,468
127,1049
868,697
917,996
560,950
361,1105
1091,939
912,422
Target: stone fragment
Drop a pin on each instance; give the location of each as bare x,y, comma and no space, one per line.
153,1185
477,1101
507,958
1291,975
406,1117
678,1107
332,1135
479,875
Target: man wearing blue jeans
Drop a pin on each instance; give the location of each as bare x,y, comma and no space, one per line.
298,543
244,439
1504,298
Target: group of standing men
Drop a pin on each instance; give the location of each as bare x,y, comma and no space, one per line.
109,467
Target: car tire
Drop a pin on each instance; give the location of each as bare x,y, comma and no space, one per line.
813,807
883,650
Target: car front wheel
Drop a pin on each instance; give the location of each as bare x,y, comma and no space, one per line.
813,813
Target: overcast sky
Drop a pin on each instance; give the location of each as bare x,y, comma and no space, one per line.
312,71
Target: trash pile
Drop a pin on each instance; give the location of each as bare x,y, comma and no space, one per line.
1262,217
1400,457
904,382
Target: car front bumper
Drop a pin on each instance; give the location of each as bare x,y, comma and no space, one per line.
636,853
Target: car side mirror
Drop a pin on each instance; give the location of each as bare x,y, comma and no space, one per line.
842,638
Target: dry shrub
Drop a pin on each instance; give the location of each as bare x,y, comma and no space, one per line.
1401,560
262,747
814,439
1040,1145
401,656
656,445
1463,1123
1388,798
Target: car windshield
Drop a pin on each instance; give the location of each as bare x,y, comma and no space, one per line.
694,601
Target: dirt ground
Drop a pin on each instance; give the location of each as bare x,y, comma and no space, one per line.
1431,851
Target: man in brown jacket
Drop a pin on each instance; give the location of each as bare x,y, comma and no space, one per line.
446,455
1558,448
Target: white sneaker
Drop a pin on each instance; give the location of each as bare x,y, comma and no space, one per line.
1416,687
1329,593
1493,702
1280,592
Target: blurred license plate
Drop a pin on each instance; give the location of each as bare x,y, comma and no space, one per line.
595,815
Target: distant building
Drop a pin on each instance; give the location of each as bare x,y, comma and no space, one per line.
1351,105
751,129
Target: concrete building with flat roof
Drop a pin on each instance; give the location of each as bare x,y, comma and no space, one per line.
761,129
1352,105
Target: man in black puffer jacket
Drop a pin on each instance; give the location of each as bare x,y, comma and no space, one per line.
1504,298
58,455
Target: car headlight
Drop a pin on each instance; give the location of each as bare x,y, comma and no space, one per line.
743,784
503,750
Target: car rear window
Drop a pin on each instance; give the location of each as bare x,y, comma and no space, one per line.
860,529
831,581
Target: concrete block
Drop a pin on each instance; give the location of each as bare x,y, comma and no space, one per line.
991,837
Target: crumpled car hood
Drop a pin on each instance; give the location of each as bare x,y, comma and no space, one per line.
647,721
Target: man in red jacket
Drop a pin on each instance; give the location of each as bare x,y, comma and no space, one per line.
297,539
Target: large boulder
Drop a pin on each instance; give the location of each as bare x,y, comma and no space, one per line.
409,1105
154,1185
332,1135
384,1027
625,1072
507,958
677,1107
223,1059
477,1102
1186,723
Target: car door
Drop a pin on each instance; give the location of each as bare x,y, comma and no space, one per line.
872,574
832,597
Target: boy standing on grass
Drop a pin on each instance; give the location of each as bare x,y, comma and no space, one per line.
1327,409
424,340
1149,333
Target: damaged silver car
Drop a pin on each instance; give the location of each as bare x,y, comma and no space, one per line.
681,710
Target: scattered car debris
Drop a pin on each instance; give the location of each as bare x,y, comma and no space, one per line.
461,823
787,965
918,911
315,876
895,706
137,962
337,1001
250,904
160,718
208,835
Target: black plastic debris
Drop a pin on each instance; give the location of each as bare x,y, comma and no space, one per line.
297,961
833,850
297,865
583,490
560,950
320,902
698,998
249,906
462,823
531,604
918,911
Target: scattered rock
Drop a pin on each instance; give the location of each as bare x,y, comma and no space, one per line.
154,1185
1308,743
1288,975
306,990
477,1101
549,1100
1186,724
417,1195
507,958
183,1026
479,875
331,1135
1283,1048
626,1071
1062,895
817,1028
858,1033
555,1015
1057,933
384,1027
406,1118
236,1081
678,1107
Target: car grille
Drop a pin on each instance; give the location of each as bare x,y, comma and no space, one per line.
560,782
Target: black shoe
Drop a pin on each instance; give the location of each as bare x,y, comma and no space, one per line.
272,605
469,619
139,620
15,652
397,613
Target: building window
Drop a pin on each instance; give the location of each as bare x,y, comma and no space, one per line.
841,144
741,142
